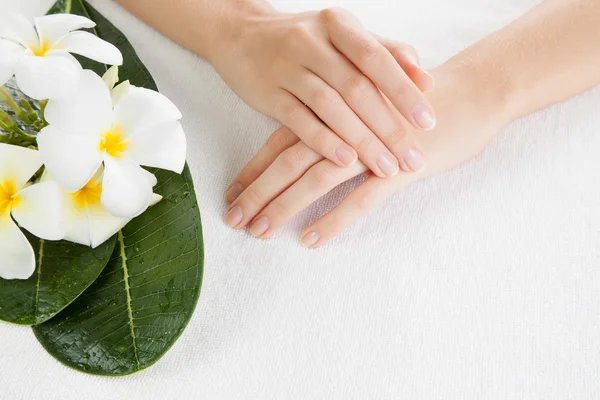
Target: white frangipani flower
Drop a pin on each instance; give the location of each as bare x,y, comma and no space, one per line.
85,131
39,56
86,221
37,208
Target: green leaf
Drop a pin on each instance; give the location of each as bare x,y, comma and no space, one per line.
146,295
63,271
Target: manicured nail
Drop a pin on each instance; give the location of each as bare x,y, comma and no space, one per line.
310,239
233,192
346,155
424,117
388,165
414,160
234,216
260,226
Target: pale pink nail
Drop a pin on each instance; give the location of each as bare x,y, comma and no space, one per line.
424,117
346,156
388,165
414,159
260,226
234,216
310,239
233,192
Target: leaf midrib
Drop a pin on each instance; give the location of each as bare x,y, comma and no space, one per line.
39,279
121,241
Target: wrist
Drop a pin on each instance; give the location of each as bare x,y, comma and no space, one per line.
480,86
229,32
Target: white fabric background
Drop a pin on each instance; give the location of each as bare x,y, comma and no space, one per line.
480,284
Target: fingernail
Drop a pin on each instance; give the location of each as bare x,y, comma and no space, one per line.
260,226
388,165
233,192
424,117
234,216
346,156
310,239
414,159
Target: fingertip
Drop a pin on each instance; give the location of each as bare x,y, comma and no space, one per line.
346,156
424,118
388,166
310,239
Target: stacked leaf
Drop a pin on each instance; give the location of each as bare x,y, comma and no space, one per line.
116,309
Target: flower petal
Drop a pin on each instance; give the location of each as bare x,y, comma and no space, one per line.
111,77
40,210
126,189
51,28
103,225
161,146
18,258
18,28
18,164
71,159
143,108
119,91
77,223
11,55
90,46
50,77
88,110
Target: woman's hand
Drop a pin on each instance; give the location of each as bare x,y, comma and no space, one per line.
322,74
286,176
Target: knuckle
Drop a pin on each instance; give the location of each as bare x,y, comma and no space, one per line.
297,36
279,140
366,144
320,142
369,51
278,211
332,14
251,196
357,87
395,138
322,98
292,114
292,159
321,178
402,94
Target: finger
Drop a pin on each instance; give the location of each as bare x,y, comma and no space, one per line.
312,131
358,203
408,59
286,169
279,141
317,181
376,62
331,108
369,104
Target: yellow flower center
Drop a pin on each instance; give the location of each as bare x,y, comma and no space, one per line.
41,49
89,195
8,197
113,143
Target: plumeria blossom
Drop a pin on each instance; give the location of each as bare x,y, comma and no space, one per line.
39,54
37,208
86,220
85,131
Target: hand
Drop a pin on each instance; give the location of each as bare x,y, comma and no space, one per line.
286,176
320,74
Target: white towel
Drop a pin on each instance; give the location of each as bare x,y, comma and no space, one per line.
483,283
